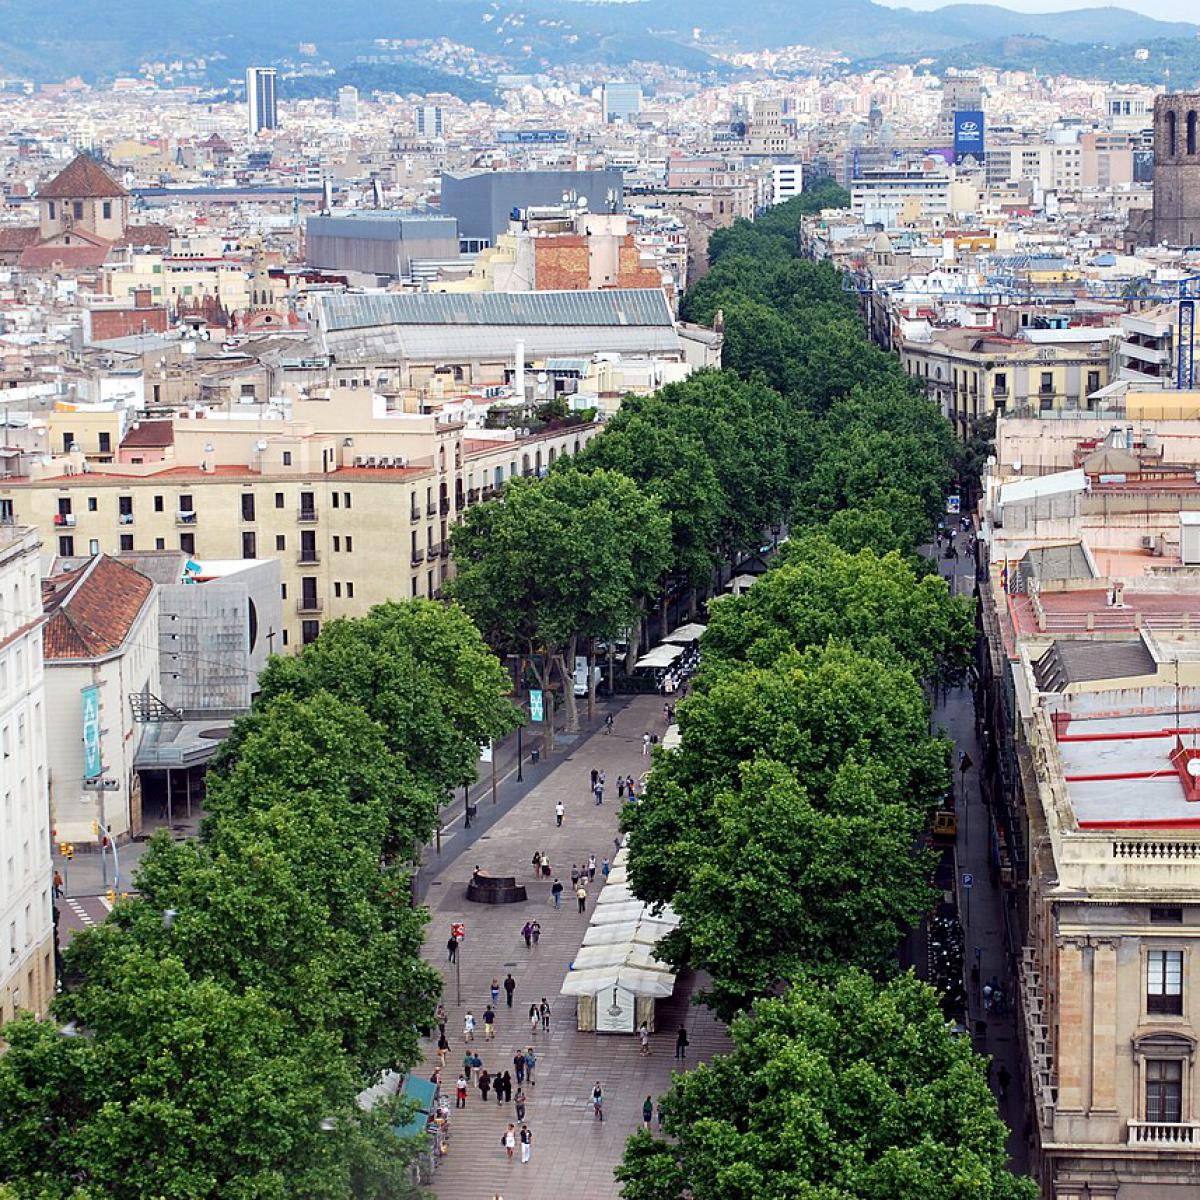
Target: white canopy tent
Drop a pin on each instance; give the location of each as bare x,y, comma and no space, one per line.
742,583
686,634
615,977
660,656
672,739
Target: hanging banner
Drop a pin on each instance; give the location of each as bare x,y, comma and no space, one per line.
91,732
535,704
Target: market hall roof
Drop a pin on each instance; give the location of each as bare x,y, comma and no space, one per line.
82,179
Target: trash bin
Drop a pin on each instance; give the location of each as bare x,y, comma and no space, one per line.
535,756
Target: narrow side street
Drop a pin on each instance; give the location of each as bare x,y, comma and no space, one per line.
573,1154
981,899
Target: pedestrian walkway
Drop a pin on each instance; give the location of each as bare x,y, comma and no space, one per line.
981,904
572,1153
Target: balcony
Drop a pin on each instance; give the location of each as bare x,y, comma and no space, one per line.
1166,1134
418,556
488,492
308,558
446,507
185,518
307,516
64,519
472,495
125,518
414,514
445,550
431,509
309,604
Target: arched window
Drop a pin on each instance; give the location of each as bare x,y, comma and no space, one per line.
1191,131
1170,135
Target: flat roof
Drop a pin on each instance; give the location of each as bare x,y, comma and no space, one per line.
1119,774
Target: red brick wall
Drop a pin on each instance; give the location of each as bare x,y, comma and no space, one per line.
126,322
561,263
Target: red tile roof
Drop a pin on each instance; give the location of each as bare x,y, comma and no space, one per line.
68,258
92,608
151,234
83,179
146,435
17,237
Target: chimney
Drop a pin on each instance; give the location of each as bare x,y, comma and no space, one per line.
519,372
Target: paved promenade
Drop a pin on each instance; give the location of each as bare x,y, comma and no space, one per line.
572,1153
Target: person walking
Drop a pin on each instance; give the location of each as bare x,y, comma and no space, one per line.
469,1027
558,813
460,1092
595,778
591,868
443,1048
527,934
508,1087
647,1113
530,1064
485,1084
495,991
489,1023
526,1143
519,1103
574,876
620,787
646,744
537,863
509,1140
498,1087
452,949
598,792
608,724
643,1038
535,1020
681,1043
598,1101
604,869
556,891
519,1066
510,986
439,1015
537,932
544,1010
581,896
1003,1078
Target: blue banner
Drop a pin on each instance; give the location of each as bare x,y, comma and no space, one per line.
535,704
91,732
968,135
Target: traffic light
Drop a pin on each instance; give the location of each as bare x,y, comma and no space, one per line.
111,897
66,850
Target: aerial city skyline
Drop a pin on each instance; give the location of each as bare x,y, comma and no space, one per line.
600,598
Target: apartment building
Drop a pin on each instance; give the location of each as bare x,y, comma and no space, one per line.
356,501
26,916
972,374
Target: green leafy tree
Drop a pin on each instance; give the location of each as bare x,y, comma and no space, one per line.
573,554
820,592
854,1091
421,671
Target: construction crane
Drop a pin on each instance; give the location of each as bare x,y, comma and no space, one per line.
1009,289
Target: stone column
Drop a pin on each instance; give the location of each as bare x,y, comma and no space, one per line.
1104,1025
1070,1025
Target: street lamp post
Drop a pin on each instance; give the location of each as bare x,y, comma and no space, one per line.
520,757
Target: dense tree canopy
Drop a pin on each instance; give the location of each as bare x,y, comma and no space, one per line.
879,603
853,1091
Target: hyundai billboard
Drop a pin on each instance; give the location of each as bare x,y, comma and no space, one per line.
968,136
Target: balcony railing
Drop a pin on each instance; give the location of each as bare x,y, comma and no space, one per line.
307,516
309,604
124,518
445,506
418,556
472,495
414,514
67,519
431,509
308,558
1165,1133
185,518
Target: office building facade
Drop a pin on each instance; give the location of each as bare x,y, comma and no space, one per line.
261,112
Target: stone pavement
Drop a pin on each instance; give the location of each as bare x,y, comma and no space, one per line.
572,1153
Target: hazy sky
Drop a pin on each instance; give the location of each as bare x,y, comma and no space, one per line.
1167,10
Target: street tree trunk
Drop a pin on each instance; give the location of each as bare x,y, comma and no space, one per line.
591,670
568,681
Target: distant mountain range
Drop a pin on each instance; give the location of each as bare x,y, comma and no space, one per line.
101,39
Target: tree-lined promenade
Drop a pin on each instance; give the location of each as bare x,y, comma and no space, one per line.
220,1025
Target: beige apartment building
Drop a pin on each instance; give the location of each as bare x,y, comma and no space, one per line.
1109,980
355,500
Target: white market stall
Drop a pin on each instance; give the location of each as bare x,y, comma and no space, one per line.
685,635
659,657
615,978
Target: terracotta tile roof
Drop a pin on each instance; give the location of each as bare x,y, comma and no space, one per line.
17,237
83,179
68,258
146,435
91,608
150,234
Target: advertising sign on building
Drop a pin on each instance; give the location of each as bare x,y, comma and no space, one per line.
968,135
91,732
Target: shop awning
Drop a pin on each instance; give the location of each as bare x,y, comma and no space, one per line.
686,634
660,656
